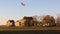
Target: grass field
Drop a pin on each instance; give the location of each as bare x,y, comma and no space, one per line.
4,28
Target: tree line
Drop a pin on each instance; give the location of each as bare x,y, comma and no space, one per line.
46,20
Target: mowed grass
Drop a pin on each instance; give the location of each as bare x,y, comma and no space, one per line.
5,28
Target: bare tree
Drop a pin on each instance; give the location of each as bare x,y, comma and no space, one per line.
48,20
58,21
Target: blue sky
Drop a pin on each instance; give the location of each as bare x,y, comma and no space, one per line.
12,9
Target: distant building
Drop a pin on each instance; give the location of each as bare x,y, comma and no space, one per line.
29,21
17,23
20,23
10,23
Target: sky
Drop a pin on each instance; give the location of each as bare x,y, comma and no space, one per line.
12,9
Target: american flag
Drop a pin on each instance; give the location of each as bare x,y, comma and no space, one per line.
23,4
